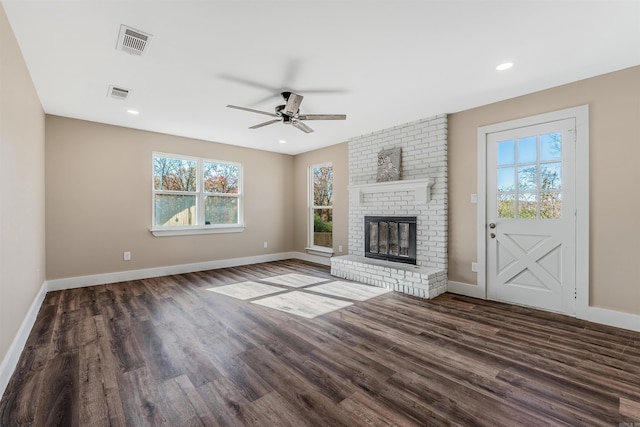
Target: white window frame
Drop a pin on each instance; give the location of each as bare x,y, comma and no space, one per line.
199,227
311,248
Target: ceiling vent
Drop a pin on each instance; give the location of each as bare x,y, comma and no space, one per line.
118,93
133,41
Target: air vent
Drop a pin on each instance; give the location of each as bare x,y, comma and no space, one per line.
118,92
133,41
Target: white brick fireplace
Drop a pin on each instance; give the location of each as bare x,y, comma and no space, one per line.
420,192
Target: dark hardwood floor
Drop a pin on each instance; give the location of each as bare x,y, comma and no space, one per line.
166,351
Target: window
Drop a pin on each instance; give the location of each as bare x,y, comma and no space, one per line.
193,195
321,194
529,177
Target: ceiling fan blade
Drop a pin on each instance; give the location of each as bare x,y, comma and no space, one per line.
252,110
293,103
304,128
323,117
288,89
248,82
259,125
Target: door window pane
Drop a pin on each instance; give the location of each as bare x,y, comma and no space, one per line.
506,179
527,178
527,149
506,205
551,146
506,153
551,205
551,176
527,205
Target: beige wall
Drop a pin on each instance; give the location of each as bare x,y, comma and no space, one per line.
22,254
338,155
98,198
614,102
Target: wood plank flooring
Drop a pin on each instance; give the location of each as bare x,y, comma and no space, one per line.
167,352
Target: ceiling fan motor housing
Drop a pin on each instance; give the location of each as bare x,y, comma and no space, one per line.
292,106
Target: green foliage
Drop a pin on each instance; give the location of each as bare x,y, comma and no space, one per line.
319,226
506,207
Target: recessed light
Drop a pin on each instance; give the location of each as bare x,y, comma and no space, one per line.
504,66
134,112
282,141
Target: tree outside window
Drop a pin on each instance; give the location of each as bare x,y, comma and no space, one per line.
321,205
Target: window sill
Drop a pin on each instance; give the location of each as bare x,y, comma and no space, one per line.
320,251
187,231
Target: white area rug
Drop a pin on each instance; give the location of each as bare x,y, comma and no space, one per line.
349,290
246,290
302,304
294,280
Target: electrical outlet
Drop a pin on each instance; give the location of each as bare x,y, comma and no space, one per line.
266,245
340,248
126,256
474,267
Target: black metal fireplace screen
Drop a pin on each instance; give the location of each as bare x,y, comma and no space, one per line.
390,238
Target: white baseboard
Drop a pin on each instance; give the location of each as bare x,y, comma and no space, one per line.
122,276
318,259
603,316
465,289
588,313
10,360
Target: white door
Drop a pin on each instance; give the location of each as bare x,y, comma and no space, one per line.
531,216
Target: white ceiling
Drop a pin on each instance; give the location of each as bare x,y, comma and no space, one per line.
383,63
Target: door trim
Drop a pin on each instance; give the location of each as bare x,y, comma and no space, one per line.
581,116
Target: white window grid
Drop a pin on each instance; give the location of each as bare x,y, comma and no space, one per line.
201,195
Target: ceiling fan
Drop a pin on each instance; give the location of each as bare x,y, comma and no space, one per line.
289,113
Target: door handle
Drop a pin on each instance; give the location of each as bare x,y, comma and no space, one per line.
492,225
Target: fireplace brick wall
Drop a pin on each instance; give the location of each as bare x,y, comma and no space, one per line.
424,156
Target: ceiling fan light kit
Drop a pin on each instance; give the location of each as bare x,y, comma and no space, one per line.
289,113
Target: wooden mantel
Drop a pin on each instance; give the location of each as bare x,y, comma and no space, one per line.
421,189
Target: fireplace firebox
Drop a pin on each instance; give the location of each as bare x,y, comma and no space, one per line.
390,238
